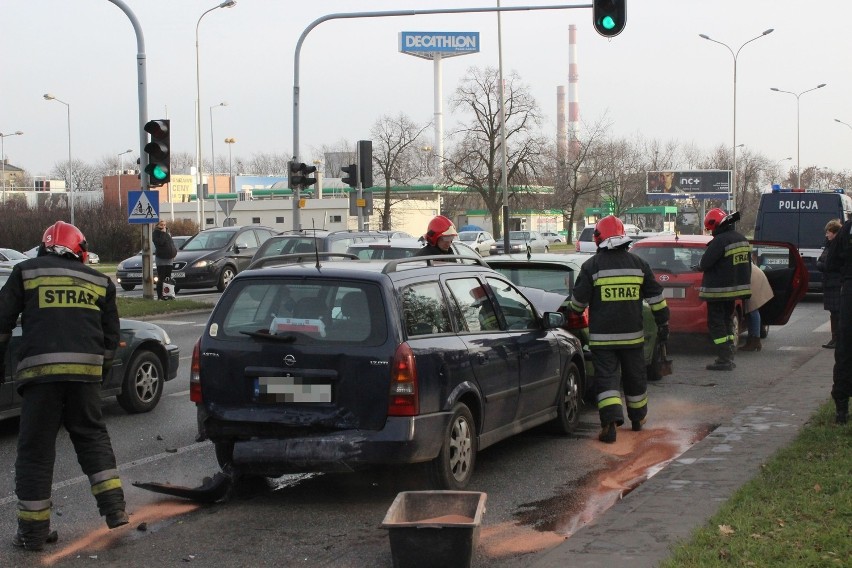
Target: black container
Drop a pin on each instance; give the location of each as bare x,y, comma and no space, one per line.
424,534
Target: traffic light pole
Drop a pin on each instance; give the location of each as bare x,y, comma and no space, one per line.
383,14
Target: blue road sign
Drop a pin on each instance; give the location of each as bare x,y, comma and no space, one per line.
143,207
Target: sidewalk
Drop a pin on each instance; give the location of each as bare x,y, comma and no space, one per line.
639,530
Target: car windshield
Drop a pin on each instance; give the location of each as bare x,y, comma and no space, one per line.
208,240
12,254
554,278
467,236
669,258
519,235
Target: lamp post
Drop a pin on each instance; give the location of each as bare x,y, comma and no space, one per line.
3,157
782,160
798,155
49,97
835,120
230,141
213,165
200,190
120,172
735,55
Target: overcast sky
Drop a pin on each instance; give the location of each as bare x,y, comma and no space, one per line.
657,79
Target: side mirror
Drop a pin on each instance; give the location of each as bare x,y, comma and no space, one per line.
553,320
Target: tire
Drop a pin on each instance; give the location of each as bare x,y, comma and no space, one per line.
143,383
453,468
569,401
128,287
225,277
224,453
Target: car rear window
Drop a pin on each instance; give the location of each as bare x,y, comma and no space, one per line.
303,311
548,278
670,258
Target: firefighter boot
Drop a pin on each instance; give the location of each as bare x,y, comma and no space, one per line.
111,506
32,535
842,407
608,432
725,358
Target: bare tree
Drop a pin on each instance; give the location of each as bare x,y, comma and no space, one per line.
335,156
396,155
475,162
86,176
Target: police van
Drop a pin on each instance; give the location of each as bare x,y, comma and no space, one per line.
799,217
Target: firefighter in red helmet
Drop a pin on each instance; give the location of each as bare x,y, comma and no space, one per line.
439,237
726,265
612,284
59,380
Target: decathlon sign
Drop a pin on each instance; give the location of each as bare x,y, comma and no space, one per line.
426,44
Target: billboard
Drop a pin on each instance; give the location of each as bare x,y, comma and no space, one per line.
701,184
448,44
182,187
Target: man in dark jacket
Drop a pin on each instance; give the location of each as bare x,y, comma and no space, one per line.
439,237
612,284
164,253
70,333
726,265
840,259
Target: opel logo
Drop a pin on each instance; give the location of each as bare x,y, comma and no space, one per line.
289,360
664,277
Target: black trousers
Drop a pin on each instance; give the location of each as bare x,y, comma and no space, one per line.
163,271
720,323
841,389
608,384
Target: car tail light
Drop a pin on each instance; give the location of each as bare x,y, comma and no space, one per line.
403,396
195,374
574,320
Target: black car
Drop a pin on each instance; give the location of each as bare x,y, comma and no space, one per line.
315,240
129,271
210,259
358,363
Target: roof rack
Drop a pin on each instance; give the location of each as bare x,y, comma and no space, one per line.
392,265
298,257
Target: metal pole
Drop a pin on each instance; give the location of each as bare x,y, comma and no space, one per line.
213,160
504,176
798,156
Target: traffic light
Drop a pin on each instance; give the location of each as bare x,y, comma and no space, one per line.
352,179
159,153
299,175
609,16
365,162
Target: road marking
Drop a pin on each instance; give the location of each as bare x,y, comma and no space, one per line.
182,393
171,322
824,327
795,348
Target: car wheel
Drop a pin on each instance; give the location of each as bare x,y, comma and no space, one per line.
568,401
224,453
128,287
143,383
453,467
225,277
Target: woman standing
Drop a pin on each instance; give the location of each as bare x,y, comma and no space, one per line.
164,253
830,281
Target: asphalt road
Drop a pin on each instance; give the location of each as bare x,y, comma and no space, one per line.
540,488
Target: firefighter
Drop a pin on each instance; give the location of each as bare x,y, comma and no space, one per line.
840,259
70,333
726,265
439,237
612,284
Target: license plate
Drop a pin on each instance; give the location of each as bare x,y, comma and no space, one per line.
674,292
289,389
134,275
178,275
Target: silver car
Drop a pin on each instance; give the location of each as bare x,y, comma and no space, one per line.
522,241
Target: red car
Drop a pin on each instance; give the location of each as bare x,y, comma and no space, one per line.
674,260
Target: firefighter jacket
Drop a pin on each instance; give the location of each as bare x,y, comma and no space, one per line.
69,318
433,250
726,265
612,284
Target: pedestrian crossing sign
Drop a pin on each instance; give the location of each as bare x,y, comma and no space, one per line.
143,206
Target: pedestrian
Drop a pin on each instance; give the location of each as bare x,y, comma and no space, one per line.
761,292
70,333
439,237
839,259
726,266
612,284
164,254
830,282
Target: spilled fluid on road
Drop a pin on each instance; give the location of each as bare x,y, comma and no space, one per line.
633,458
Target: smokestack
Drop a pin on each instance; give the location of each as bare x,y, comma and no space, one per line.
573,95
561,140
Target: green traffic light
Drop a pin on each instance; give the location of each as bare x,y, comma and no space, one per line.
607,22
159,173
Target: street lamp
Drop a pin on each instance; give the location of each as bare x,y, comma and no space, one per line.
213,165
735,55
230,141
835,120
49,97
3,157
200,190
798,156
121,171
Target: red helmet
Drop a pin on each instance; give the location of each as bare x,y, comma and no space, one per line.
64,238
713,219
439,227
608,227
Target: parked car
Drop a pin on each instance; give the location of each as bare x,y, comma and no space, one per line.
391,234
93,258
210,258
11,257
33,252
480,241
314,240
351,364
553,275
586,240
552,237
675,258
522,241
402,248
144,360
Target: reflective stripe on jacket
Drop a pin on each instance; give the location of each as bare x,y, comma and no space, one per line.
727,267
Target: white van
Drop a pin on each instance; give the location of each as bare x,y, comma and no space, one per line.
799,217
